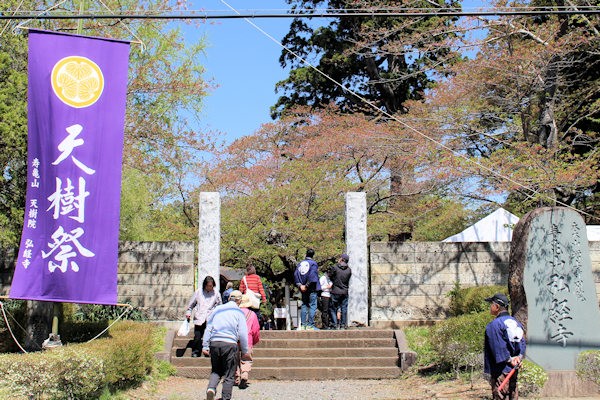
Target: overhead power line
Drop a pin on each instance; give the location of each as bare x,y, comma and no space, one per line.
255,14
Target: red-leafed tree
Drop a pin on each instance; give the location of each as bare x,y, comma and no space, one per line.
525,112
284,188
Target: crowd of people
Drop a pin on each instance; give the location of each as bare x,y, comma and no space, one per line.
333,287
227,325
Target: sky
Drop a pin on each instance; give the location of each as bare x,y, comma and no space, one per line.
244,63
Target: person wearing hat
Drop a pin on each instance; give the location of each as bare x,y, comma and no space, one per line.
225,327
504,348
253,338
340,275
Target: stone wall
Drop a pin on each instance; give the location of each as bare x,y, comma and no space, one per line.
410,281
157,277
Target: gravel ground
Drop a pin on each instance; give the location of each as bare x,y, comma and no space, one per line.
176,388
411,387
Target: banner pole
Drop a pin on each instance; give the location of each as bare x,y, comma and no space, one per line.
56,311
80,22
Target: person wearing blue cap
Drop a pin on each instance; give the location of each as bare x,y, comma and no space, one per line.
504,349
340,275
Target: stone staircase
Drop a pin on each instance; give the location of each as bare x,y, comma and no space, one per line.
360,353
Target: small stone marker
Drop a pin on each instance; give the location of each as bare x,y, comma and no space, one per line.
552,288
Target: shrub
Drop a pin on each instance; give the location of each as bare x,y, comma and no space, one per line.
164,369
472,299
588,365
459,340
102,313
79,332
532,379
128,354
61,373
419,341
82,371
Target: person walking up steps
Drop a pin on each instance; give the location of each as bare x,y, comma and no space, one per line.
226,327
306,278
243,373
340,275
251,282
204,302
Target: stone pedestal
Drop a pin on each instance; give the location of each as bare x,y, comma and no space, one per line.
209,237
567,384
356,244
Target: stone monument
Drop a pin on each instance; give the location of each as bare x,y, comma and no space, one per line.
356,245
553,294
209,237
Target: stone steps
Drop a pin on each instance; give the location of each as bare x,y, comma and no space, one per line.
299,374
259,352
305,343
360,353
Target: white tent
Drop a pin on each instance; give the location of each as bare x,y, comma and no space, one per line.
498,227
593,233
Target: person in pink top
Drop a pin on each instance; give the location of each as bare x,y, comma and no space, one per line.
253,338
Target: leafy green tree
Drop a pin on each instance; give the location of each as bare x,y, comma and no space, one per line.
13,123
165,92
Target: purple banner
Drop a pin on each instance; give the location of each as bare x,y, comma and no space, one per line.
76,106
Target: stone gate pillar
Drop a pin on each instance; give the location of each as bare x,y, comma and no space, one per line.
209,237
356,248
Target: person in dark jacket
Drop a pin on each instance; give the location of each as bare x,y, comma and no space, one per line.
306,278
340,277
504,348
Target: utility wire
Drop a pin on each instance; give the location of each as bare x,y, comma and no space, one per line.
406,125
255,14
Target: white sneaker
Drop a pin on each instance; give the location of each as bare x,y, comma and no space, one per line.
210,394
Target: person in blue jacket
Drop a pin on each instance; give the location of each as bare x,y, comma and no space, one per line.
306,278
504,348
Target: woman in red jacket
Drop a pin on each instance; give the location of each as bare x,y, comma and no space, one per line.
253,282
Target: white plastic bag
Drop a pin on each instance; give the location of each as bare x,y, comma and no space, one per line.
184,329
